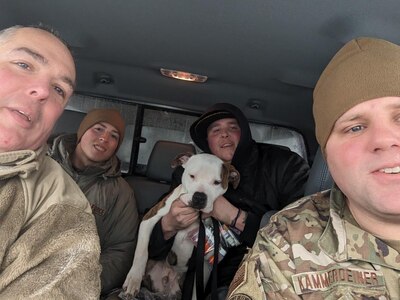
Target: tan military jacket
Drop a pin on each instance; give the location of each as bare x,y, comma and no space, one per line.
311,250
49,247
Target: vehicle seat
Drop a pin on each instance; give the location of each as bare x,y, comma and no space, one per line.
319,178
149,189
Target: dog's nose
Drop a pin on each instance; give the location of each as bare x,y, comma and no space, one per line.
199,200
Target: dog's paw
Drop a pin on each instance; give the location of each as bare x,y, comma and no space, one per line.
131,286
125,296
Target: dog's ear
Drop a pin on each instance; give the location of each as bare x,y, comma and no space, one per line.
230,174
172,258
150,265
181,159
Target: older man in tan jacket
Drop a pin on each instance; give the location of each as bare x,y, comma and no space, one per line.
49,248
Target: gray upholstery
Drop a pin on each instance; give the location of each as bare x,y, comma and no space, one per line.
266,217
149,189
163,153
319,179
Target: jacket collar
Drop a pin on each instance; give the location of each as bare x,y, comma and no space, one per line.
64,145
342,240
21,162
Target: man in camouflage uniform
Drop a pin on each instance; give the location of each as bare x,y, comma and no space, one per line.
343,243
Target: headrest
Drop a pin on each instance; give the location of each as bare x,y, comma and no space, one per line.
159,164
319,178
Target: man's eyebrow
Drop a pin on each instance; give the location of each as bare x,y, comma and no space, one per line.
69,81
395,106
211,126
103,125
36,56
41,59
351,118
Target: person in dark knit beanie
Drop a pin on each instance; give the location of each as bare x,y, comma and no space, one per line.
353,228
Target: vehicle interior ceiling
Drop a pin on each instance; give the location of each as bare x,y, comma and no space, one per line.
263,56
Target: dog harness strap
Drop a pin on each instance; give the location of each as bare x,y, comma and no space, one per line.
200,261
187,288
196,265
214,282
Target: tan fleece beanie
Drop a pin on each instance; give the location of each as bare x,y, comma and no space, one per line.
107,115
364,69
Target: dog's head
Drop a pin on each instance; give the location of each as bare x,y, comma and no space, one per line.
161,281
205,178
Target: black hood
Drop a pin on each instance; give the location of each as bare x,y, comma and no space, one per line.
198,130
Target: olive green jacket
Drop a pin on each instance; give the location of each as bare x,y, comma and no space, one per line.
114,207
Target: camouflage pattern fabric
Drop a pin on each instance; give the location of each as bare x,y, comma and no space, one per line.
313,249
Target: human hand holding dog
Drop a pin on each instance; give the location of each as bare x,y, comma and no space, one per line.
225,212
179,217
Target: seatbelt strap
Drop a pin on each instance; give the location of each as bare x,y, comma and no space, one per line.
187,288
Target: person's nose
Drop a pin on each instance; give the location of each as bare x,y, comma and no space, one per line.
384,136
39,90
224,132
104,137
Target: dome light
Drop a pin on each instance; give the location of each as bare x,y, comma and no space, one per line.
186,76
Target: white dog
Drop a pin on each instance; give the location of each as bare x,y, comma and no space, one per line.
205,177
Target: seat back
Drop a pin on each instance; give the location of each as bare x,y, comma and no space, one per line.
149,189
319,178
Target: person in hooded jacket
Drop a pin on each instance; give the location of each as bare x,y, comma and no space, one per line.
271,177
89,157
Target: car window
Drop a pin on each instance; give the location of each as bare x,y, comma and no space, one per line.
279,135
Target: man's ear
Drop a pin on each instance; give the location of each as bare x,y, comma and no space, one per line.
181,159
230,174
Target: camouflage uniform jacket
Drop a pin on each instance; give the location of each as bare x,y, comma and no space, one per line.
313,249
